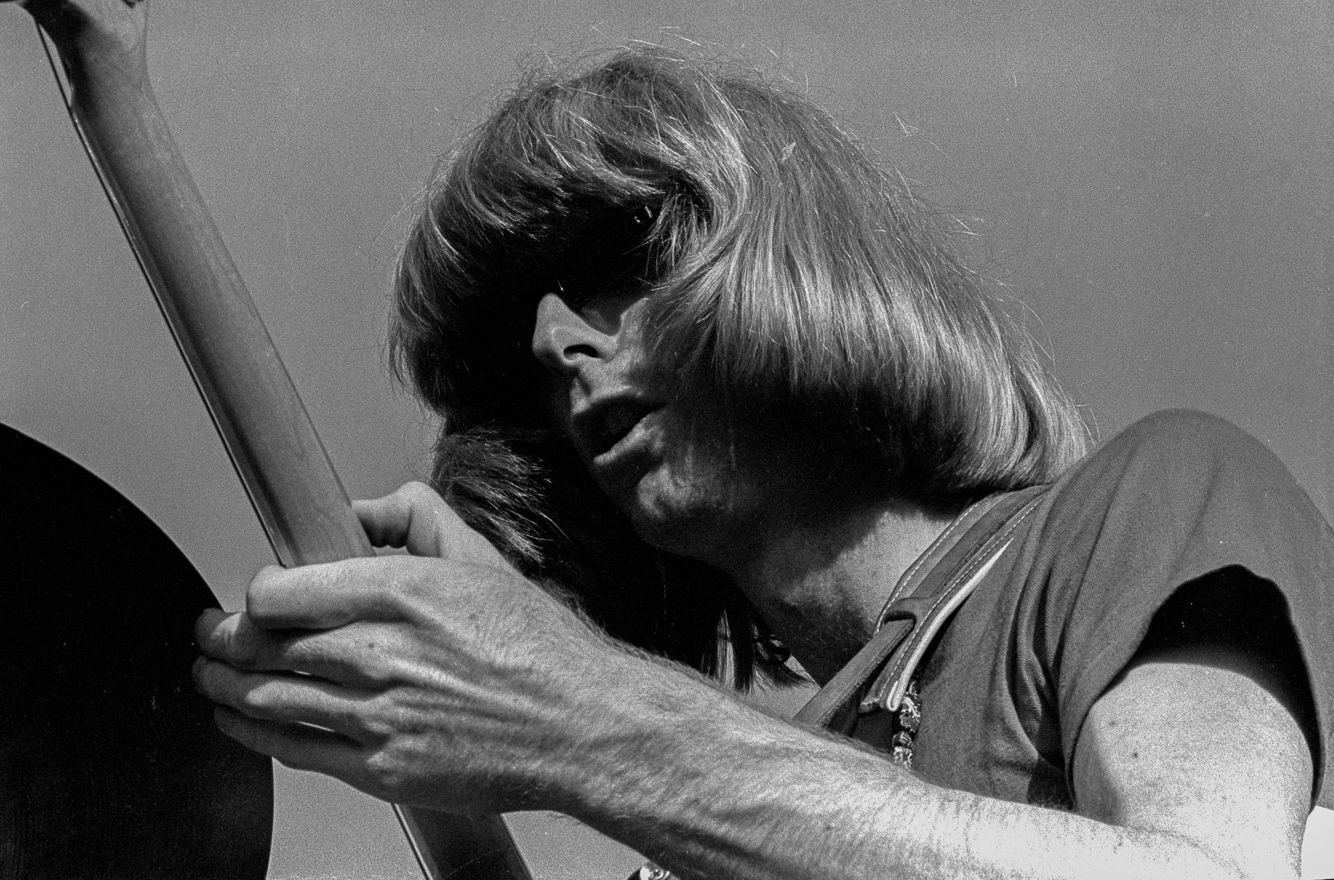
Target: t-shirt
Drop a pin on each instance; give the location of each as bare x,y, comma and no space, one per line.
1009,682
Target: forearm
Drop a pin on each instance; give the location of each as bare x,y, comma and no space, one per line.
710,787
453,683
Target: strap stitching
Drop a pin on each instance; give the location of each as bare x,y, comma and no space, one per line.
905,649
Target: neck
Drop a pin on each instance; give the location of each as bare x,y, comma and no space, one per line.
821,587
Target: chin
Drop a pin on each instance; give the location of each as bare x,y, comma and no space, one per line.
683,518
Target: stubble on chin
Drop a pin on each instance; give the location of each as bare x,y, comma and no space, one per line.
696,503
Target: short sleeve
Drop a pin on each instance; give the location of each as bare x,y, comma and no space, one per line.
1176,497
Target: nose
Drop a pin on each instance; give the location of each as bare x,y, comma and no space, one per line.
563,338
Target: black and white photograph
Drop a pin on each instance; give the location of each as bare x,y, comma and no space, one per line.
577,439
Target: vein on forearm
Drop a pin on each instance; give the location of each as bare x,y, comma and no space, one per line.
711,787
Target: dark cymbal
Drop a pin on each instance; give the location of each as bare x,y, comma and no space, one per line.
110,765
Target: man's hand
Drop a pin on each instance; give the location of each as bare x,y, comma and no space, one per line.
107,25
417,519
451,682
441,679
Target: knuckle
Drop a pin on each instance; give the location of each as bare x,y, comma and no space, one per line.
260,589
257,700
242,646
253,737
250,696
428,500
389,723
238,727
410,586
221,683
205,675
375,671
386,770
401,588
417,493
378,727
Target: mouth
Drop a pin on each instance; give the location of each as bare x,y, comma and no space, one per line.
604,425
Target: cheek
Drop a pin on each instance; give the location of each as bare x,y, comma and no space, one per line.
552,398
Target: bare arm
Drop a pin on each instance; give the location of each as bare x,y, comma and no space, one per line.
1184,770
1175,787
451,681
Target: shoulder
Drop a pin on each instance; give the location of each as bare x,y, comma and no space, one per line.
1179,494
1175,498
1194,440
1178,469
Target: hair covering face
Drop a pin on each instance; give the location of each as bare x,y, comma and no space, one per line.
788,274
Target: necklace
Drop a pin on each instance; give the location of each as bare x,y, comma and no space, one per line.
906,722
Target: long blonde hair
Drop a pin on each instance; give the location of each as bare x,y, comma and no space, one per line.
789,273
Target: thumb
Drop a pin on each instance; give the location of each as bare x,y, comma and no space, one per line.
404,518
416,518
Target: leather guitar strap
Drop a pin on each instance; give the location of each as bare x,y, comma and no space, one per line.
921,603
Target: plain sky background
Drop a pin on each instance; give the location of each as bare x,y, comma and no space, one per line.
1150,182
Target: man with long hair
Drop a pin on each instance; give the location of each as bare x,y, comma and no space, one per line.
714,394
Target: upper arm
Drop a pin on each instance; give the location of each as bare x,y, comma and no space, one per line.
1205,734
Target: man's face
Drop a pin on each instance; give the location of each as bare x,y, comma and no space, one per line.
689,481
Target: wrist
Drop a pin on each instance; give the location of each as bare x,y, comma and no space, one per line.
97,41
665,757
